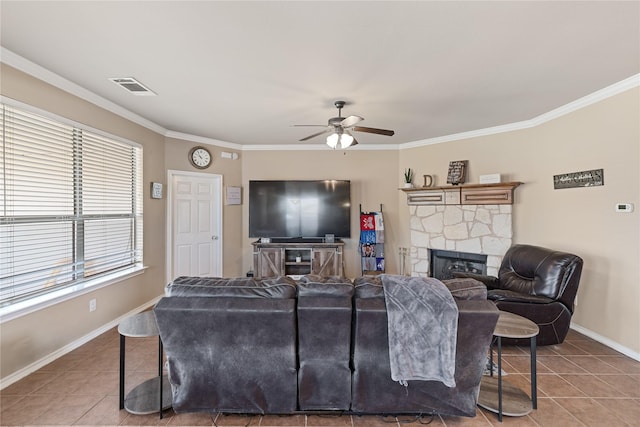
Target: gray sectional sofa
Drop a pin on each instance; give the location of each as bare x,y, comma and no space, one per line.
279,346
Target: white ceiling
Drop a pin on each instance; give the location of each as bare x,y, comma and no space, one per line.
244,72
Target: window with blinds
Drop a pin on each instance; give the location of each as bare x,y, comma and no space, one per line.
71,205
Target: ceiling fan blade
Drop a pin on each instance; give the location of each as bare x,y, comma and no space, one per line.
316,134
374,130
350,121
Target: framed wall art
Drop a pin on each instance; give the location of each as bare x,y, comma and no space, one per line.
457,172
591,178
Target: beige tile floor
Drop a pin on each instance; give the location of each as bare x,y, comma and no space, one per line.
580,383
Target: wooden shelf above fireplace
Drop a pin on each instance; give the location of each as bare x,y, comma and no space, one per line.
469,194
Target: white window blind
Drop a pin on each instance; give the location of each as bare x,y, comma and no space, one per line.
71,205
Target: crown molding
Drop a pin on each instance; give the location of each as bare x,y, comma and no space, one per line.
202,140
585,101
16,61
467,135
318,147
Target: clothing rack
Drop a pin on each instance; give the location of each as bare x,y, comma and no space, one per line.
371,245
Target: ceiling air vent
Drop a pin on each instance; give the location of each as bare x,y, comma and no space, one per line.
133,86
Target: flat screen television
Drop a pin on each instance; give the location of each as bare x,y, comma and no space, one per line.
300,209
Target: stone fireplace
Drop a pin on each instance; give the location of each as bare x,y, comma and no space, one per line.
475,229
471,222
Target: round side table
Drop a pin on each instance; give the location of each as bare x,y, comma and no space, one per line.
153,395
504,398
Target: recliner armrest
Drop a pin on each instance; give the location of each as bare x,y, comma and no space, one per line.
511,296
491,282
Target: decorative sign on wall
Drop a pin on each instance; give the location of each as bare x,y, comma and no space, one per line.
590,178
234,195
457,172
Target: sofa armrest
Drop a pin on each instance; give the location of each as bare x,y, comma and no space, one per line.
465,288
491,282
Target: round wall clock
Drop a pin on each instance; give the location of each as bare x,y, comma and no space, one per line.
200,157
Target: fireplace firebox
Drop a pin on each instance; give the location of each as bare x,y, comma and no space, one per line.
444,263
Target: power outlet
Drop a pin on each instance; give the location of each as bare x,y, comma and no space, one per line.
92,305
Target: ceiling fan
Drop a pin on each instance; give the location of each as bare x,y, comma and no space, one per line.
340,128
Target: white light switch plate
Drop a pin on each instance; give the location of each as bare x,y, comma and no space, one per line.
156,190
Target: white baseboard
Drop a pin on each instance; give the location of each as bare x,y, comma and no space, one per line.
606,341
18,375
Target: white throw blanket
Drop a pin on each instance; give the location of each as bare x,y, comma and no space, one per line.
423,327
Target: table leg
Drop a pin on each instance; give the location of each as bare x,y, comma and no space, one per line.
160,371
534,387
500,379
491,356
121,371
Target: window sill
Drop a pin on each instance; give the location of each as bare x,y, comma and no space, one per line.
23,308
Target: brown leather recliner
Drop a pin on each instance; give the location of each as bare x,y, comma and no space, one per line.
539,284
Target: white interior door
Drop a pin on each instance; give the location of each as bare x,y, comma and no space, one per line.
195,225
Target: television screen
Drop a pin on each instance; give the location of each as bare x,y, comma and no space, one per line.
292,209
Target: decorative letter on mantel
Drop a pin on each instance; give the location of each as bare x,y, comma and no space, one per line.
469,194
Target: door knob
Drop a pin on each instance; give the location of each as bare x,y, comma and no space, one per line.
214,237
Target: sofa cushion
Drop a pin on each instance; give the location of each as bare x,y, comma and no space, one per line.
328,286
278,287
373,390
316,278
466,288
368,287
324,309
230,354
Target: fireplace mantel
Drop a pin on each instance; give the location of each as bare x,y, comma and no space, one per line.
469,194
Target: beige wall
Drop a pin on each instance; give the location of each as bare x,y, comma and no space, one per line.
374,181
176,155
29,338
580,220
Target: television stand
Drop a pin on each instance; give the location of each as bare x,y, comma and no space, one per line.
297,257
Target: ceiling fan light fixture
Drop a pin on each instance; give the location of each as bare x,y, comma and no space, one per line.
346,140
340,128
332,140
339,140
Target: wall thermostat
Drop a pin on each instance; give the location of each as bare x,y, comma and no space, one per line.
624,207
